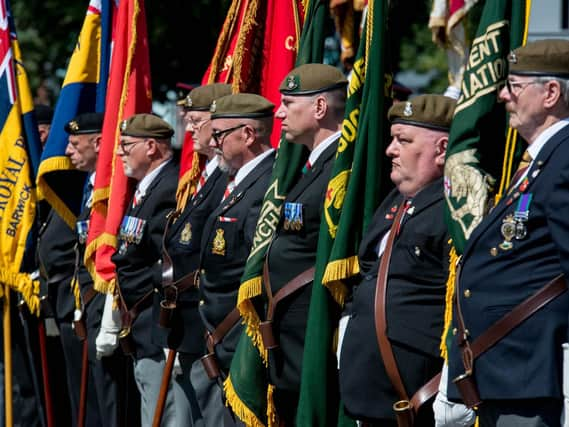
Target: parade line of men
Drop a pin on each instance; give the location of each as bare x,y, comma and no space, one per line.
179,263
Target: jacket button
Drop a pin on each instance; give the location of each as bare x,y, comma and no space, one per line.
417,251
202,302
467,293
454,331
493,251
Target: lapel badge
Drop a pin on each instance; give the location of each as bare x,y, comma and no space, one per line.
411,210
535,173
508,230
186,235
408,110
82,228
219,243
292,82
524,184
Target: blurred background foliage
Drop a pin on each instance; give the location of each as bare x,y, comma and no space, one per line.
182,37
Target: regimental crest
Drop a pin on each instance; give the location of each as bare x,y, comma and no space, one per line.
408,111
186,235
73,125
213,107
189,102
292,82
512,58
123,125
219,242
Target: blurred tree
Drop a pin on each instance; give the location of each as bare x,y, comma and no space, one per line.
182,35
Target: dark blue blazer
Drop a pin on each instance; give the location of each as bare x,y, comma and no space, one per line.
528,362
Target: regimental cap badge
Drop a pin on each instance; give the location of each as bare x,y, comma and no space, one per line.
124,124
188,103
73,126
408,111
292,82
213,107
512,58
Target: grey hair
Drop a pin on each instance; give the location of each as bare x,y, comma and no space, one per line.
563,84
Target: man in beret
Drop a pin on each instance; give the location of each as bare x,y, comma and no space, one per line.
44,115
311,111
146,154
518,249
182,240
241,129
56,257
408,235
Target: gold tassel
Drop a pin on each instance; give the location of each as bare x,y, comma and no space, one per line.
239,408
76,292
223,41
22,283
272,416
335,272
453,262
249,20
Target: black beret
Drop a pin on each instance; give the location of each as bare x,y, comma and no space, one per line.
428,111
146,126
549,57
44,114
241,105
200,98
85,123
310,79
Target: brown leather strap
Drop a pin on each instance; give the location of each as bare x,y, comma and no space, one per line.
88,294
519,314
215,337
167,264
129,316
174,289
426,392
380,304
299,281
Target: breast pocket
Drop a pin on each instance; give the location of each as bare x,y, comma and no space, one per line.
224,239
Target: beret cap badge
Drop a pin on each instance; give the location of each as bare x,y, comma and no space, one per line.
408,111
73,125
292,82
213,107
512,58
124,124
189,102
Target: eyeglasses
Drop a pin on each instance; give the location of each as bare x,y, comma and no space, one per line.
218,135
197,124
123,145
516,88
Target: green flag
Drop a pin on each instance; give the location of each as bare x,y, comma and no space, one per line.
353,194
478,151
246,388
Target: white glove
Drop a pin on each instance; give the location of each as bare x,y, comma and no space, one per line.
450,414
564,417
108,337
177,369
342,326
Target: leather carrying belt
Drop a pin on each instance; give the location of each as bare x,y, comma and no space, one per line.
498,330
266,327
88,295
128,317
209,361
406,408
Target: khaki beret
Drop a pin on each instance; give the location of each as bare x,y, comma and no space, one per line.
200,98
428,111
310,79
146,126
548,57
241,105
85,123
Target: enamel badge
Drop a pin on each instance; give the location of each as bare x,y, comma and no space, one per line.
186,235
219,242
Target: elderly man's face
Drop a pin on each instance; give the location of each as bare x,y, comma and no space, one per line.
83,150
132,152
228,141
199,124
417,157
523,97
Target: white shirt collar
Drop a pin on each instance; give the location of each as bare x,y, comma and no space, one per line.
147,180
249,166
211,165
314,154
534,148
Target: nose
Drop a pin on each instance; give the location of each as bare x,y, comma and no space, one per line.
280,113
392,150
504,94
68,150
212,143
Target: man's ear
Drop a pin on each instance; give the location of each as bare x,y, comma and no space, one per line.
441,150
97,143
320,107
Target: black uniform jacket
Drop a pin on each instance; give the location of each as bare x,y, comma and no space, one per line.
495,278
139,268
57,262
182,242
415,304
226,242
291,253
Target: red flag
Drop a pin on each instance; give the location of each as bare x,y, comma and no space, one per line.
128,93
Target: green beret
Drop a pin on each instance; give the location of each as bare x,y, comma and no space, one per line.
428,111
310,79
541,58
146,126
200,98
241,105
85,123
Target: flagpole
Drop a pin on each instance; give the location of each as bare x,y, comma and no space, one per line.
7,358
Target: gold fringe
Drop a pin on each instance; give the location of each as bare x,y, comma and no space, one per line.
272,416
453,262
249,20
100,284
76,293
22,283
335,272
223,42
248,290
188,183
239,408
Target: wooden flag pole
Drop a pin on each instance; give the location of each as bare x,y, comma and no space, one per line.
7,358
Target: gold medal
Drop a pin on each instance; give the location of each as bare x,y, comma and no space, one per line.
508,230
219,243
